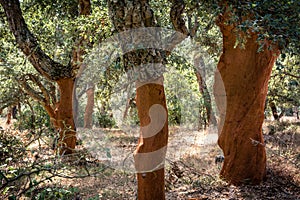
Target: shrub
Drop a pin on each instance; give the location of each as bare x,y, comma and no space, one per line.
11,147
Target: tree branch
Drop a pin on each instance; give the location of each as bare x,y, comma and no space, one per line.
29,45
29,90
45,98
292,75
42,88
177,10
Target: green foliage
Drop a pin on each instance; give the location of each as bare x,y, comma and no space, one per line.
182,93
10,66
11,146
33,117
277,21
104,120
160,11
10,92
55,193
58,26
174,110
284,84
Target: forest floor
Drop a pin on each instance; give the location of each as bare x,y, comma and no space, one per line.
191,171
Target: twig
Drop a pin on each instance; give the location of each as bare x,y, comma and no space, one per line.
21,175
5,178
36,184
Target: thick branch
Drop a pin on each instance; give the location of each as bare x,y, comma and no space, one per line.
116,14
30,91
177,10
45,98
29,45
85,7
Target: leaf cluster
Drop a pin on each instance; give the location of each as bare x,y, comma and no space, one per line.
277,21
284,83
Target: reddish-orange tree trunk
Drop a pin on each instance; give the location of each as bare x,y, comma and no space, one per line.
245,74
150,153
64,119
59,110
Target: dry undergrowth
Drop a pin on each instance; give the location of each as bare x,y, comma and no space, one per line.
192,176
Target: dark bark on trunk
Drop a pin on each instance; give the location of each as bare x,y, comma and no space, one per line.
210,117
274,110
9,115
14,112
245,74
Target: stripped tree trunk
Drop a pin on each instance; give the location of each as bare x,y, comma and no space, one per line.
151,102
151,184
245,74
64,117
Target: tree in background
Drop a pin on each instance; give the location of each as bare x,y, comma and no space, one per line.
11,94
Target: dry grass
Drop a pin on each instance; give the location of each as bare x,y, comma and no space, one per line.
192,175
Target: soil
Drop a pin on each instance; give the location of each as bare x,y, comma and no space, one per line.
103,166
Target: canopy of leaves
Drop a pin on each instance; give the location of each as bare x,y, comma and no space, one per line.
277,21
